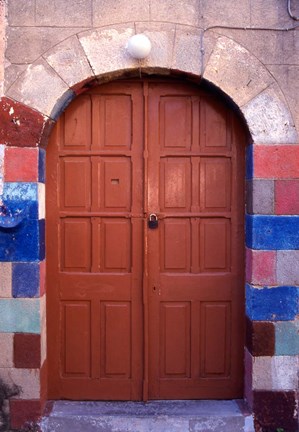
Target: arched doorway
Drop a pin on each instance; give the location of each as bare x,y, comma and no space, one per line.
138,312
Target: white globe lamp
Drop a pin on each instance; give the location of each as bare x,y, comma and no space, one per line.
139,46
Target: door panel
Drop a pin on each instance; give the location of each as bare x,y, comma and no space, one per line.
136,312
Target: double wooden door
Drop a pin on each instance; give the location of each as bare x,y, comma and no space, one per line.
136,312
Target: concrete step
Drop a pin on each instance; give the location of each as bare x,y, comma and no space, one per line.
153,416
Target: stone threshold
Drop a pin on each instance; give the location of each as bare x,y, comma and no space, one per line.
153,416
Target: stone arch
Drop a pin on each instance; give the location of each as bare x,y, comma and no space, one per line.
52,81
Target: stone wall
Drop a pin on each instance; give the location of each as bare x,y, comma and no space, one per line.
250,51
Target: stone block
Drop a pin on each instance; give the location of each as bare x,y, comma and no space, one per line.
248,395
6,349
20,197
42,277
42,241
20,316
287,197
12,73
249,162
287,338
274,410
105,49
272,232
106,12
184,12
21,164
39,87
162,37
260,197
234,69
272,304
260,338
26,379
63,13
287,79
69,61
41,201
261,267
23,412
278,162
42,166
269,118
25,280
288,267
27,44
5,280
271,14
21,12
27,351
187,54
275,373
20,125
228,13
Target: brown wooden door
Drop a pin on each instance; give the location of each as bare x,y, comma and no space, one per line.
137,313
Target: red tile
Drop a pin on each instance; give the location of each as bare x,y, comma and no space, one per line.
20,164
21,126
261,267
42,278
276,162
260,338
286,197
24,412
27,350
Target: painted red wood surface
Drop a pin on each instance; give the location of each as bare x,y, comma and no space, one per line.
137,313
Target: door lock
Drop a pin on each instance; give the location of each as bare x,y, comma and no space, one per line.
153,221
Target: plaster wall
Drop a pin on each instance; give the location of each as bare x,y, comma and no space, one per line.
250,51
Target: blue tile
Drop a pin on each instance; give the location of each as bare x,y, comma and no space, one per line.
21,197
272,304
287,338
42,239
25,280
20,316
249,162
272,232
42,165
21,243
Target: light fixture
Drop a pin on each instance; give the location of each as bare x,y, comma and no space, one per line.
139,46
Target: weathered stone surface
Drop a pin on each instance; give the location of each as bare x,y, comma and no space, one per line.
26,379
162,37
269,118
260,338
274,410
2,151
118,11
12,72
20,315
228,13
274,13
276,161
287,197
272,232
27,44
21,12
21,197
287,338
236,71
2,45
6,349
275,373
288,267
21,164
63,13
39,87
184,12
272,304
27,351
260,197
287,79
261,267
5,280
187,54
105,49
69,61
20,126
